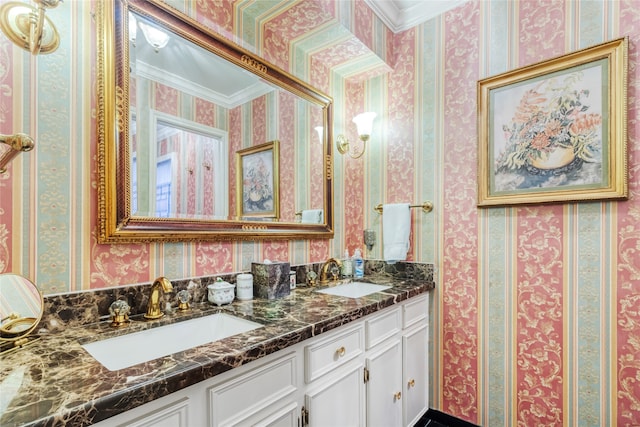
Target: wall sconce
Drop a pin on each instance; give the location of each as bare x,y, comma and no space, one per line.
364,123
27,27
155,36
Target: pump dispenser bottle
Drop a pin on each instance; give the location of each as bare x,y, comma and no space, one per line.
358,264
347,265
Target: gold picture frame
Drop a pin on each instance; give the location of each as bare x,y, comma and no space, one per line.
257,181
555,131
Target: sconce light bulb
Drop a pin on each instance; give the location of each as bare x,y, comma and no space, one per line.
364,123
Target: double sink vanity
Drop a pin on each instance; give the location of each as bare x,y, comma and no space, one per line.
310,358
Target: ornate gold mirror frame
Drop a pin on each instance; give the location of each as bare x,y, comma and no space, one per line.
116,222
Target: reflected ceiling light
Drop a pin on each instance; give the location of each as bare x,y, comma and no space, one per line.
133,28
27,27
320,130
155,36
364,123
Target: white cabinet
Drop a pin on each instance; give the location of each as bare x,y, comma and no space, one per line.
415,396
337,399
384,385
397,364
370,372
180,409
253,394
334,373
415,361
285,416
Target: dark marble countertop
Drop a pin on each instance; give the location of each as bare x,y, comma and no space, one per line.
54,381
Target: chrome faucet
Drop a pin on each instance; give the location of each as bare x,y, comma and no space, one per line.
324,271
158,289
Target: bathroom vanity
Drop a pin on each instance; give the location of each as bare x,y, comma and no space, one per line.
317,359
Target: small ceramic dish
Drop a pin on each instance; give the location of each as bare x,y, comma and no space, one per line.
221,292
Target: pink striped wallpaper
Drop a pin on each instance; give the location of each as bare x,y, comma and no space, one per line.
536,312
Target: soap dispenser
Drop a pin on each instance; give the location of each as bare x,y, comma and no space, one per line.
358,264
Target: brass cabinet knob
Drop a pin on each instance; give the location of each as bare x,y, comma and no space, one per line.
412,383
341,351
397,396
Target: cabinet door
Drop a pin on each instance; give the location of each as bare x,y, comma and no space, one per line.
384,387
286,416
337,399
253,393
415,374
169,411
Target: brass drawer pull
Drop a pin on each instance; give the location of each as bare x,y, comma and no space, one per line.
397,396
341,351
412,383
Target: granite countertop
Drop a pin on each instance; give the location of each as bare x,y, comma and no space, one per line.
54,381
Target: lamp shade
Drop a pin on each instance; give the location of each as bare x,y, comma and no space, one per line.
364,123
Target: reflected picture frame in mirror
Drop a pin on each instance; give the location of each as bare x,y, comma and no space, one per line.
119,137
257,181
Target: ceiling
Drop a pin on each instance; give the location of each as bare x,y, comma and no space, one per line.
400,15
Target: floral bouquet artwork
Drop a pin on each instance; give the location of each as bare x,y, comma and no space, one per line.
554,132
257,181
257,185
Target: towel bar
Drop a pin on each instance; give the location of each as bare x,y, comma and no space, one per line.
426,207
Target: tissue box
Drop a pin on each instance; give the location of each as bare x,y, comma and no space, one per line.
270,281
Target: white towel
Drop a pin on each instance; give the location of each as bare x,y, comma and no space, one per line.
312,216
396,228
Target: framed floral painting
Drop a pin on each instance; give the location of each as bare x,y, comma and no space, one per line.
555,131
257,177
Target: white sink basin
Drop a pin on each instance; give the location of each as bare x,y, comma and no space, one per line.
138,347
354,289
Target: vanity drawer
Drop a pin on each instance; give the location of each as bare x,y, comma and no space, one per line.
415,311
382,326
333,351
233,401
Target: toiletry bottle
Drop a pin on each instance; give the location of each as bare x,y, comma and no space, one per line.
358,264
347,265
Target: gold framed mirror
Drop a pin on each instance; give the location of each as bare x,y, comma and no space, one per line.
21,308
176,102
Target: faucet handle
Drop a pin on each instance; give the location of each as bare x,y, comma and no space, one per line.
335,272
312,277
183,297
119,311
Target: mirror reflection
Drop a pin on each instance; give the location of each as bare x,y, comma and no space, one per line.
193,103
21,306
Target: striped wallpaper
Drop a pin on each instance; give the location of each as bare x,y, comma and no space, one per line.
536,312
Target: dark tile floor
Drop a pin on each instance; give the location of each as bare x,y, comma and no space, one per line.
435,418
